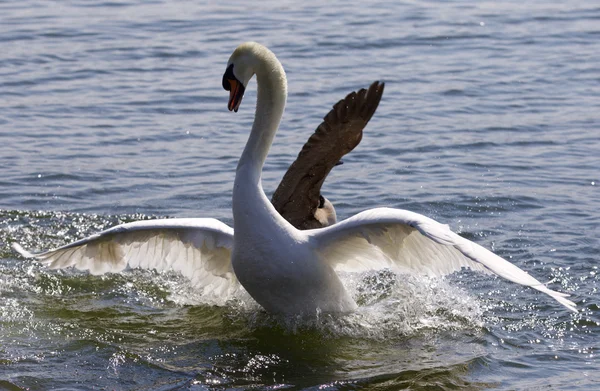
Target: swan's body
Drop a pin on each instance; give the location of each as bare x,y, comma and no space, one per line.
284,269
273,260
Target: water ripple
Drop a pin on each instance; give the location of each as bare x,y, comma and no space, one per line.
113,112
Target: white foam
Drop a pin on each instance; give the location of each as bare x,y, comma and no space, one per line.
390,306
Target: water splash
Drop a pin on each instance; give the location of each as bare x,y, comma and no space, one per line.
390,305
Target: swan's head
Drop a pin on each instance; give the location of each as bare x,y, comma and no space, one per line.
240,69
248,59
325,213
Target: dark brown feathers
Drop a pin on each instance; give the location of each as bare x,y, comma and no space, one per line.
297,196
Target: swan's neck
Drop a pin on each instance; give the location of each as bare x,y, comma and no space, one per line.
270,103
250,204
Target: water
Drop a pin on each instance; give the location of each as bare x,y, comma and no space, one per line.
114,111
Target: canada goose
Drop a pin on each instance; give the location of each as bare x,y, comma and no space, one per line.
298,197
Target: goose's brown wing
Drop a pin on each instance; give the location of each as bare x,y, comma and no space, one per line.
297,196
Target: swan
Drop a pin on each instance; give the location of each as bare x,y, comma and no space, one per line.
286,270
298,197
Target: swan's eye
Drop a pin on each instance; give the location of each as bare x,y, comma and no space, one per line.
227,77
321,201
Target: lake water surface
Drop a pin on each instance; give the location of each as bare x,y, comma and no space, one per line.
114,111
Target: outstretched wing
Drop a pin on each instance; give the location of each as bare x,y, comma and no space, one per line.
297,196
200,249
408,241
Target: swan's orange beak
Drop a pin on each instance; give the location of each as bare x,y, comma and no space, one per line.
235,87
236,93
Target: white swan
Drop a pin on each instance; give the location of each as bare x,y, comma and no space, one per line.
284,269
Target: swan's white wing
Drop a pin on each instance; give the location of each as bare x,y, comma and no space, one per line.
200,249
408,241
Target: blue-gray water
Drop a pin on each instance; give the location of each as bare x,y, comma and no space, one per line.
114,111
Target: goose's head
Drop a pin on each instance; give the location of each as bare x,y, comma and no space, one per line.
325,212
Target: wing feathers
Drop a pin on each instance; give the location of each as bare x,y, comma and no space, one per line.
297,196
408,241
199,249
